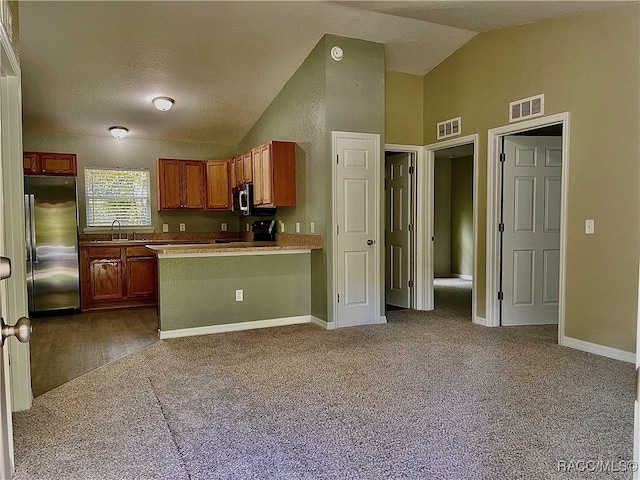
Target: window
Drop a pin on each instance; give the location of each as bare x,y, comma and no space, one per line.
117,193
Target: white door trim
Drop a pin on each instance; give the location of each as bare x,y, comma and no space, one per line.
418,295
493,205
424,219
380,317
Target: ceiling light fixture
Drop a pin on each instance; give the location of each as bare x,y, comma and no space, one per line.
163,103
119,132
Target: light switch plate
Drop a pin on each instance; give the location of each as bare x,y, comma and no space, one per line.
223,227
183,227
297,227
313,227
589,227
281,227
165,227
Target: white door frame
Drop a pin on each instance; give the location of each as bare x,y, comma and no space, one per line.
636,404
379,318
424,219
493,213
417,293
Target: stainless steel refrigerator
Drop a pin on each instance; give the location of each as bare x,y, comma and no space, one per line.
51,218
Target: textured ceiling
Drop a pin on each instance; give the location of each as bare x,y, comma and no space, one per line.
88,65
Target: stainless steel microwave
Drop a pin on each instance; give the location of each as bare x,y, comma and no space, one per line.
243,203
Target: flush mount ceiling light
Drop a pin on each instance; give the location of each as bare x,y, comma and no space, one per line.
119,132
163,103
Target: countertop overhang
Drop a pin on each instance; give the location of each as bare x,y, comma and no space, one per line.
228,249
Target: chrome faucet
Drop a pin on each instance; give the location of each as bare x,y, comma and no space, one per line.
119,230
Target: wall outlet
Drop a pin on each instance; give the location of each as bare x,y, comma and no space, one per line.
239,295
313,227
281,227
182,227
223,227
297,227
247,227
165,227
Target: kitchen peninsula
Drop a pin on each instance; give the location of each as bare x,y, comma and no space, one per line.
216,287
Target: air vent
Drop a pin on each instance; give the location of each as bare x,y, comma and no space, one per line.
449,128
526,108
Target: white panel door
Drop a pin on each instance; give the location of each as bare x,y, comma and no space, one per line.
397,237
531,239
357,217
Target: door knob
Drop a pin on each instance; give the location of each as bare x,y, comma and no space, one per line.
5,268
370,242
21,330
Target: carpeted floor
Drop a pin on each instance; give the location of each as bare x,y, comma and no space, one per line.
427,396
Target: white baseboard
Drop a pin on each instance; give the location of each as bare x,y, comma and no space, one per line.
382,319
321,323
480,321
236,327
462,276
599,349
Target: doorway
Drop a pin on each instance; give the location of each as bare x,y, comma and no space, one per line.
446,218
534,215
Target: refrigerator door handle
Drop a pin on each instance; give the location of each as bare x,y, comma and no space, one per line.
27,222
34,246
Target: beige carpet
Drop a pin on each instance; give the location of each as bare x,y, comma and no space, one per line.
429,395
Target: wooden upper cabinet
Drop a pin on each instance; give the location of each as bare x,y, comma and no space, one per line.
275,175
42,163
247,167
233,183
218,184
194,184
181,184
238,168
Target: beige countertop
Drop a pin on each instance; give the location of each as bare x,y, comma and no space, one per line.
196,246
234,248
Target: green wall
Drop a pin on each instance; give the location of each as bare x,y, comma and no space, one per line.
462,215
442,217
323,95
133,153
587,65
200,291
404,108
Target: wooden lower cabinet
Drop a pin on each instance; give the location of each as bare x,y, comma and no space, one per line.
114,277
106,279
141,277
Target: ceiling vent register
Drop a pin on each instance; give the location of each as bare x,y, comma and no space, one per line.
449,128
526,108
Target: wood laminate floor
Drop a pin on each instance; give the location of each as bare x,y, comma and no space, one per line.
67,346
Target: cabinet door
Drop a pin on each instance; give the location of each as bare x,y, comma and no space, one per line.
257,176
247,167
169,191
233,181
218,190
283,174
267,174
193,186
106,278
58,164
239,170
141,277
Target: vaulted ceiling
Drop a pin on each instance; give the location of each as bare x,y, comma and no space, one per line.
90,65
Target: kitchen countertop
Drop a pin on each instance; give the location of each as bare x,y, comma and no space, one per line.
228,246
233,249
